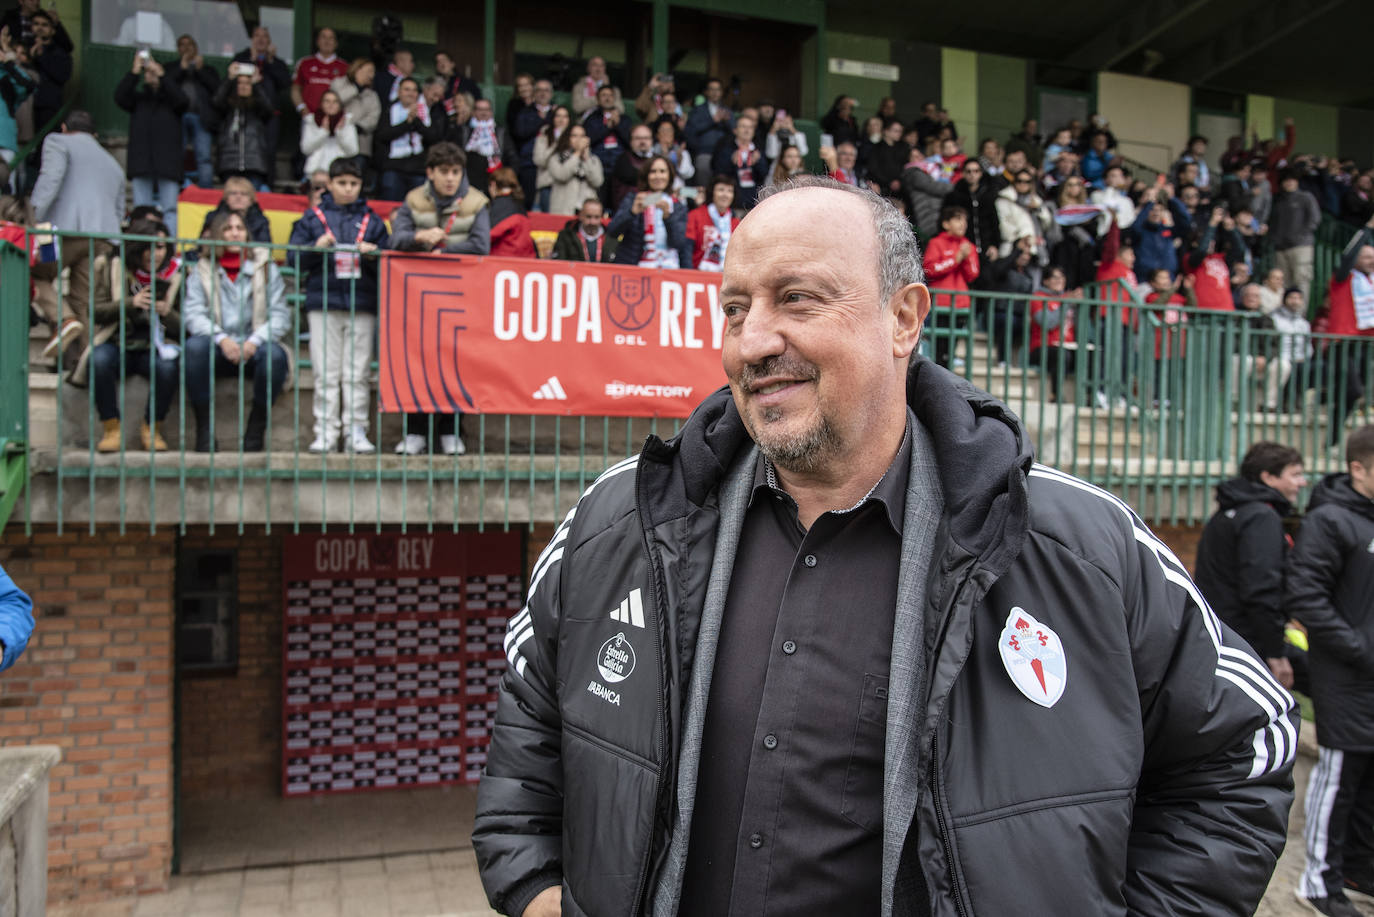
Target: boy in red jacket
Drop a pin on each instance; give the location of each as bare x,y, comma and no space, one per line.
951,264
1117,284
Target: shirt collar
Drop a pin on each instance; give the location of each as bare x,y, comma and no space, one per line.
890,489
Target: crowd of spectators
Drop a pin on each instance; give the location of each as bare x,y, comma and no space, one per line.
658,180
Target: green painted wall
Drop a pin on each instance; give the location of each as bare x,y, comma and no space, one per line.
959,90
1001,97
861,48
1318,126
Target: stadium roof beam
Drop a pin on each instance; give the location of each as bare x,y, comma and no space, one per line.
1256,30
1134,31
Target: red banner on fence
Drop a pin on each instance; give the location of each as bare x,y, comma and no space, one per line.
515,336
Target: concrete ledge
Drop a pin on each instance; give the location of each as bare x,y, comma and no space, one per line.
24,827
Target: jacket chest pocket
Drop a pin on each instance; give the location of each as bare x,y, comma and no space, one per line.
862,802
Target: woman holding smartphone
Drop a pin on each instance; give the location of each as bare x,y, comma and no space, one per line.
652,223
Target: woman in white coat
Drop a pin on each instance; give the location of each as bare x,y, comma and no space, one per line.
328,135
1022,213
544,145
576,173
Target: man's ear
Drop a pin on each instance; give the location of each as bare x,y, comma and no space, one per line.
910,306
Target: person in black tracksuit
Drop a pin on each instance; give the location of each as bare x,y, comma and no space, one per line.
1330,589
1241,554
1044,715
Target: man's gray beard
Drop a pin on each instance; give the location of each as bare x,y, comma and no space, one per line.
798,453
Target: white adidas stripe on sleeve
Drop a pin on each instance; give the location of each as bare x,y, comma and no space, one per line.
1233,665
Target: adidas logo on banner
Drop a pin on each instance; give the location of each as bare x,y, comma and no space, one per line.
552,391
631,610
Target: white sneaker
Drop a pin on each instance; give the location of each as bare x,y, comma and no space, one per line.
1103,402
357,441
411,444
452,445
321,445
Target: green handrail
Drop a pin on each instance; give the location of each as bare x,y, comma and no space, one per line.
14,372
1154,405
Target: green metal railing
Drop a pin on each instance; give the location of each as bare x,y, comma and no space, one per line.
1155,405
14,375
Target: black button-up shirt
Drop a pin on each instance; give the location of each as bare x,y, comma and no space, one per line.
789,802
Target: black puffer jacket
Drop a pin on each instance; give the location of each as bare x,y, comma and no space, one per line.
1170,737
1330,589
1240,560
155,149
242,131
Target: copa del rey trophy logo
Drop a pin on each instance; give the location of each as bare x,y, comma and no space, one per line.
1034,658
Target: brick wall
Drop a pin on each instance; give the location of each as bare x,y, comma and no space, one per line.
230,724
96,680
1182,540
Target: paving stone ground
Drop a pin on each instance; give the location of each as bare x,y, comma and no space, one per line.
445,884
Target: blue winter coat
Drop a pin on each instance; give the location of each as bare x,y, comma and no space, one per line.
322,283
630,228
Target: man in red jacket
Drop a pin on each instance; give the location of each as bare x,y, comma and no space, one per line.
951,263
1351,298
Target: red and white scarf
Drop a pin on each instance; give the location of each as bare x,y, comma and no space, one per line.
409,143
657,251
743,167
483,141
396,77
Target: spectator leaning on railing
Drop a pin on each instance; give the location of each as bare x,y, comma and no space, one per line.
235,315
442,216
137,328
155,105
340,304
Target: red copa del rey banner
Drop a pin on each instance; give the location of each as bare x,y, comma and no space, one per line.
520,336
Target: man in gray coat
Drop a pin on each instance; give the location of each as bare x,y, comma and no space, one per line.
80,189
1295,221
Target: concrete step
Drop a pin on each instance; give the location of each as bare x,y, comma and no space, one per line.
292,426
